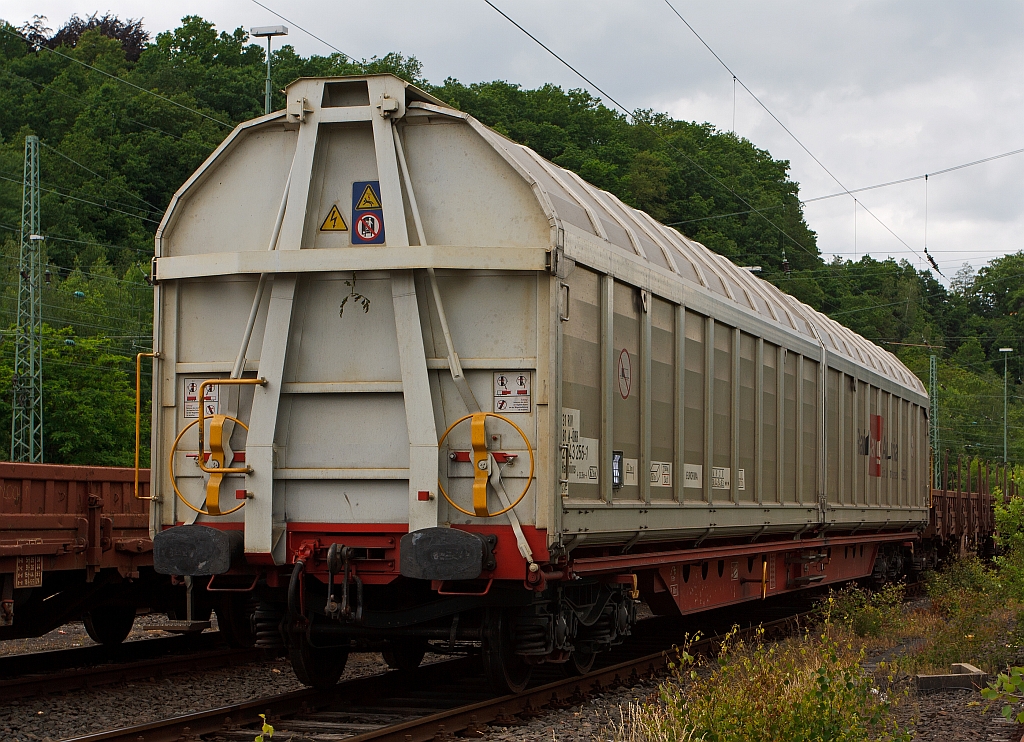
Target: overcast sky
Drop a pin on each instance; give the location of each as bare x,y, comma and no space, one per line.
877,91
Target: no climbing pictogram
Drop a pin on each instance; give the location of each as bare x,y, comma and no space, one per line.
368,227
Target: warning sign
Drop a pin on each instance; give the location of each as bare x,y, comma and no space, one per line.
191,397
369,199
367,213
368,227
512,391
334,221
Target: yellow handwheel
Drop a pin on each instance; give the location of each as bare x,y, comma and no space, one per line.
480,455
214,509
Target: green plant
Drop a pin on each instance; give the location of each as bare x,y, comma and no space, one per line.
867,613
266,731
356,298
804,689
1008,687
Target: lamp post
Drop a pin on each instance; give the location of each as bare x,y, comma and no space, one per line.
268,32
1005,352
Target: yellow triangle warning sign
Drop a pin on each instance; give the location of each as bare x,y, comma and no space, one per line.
369,199
334,221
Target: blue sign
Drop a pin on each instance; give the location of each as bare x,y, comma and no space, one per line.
367,213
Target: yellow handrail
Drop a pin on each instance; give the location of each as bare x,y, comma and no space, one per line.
202,423
138,418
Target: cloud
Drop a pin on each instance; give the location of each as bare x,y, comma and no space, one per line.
877,90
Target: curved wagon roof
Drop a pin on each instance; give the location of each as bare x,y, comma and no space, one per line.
602,219
573,200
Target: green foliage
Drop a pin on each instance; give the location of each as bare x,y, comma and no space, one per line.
1008,687
866,613
266,729
970,618
809,688
114,155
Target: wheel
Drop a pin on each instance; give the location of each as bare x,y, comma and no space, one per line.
234,618
109,625
405,653
506,671
579,663
317,667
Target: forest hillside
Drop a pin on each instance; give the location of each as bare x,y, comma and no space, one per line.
124,118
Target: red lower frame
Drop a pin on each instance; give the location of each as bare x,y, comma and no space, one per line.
686,580
697,580
382,540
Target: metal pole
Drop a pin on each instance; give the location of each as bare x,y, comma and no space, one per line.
266,103
269,32
27,382
1005,352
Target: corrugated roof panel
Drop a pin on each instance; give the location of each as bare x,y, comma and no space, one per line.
594,211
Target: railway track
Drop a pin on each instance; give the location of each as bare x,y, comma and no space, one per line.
36,673
442,698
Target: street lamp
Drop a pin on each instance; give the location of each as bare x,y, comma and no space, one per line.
268,32
1004,351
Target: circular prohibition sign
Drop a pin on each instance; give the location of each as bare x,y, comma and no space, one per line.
368,226
529,449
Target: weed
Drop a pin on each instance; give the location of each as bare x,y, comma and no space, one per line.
808,688
266,732
866,613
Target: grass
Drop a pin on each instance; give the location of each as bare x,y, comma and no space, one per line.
820,685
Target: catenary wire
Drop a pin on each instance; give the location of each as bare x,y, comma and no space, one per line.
305,31
54,189
86,201
916,177
632,115
83,101
156,209
785,128
84,242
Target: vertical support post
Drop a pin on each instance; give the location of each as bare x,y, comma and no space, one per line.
27,382
933,417
608,386
734,415
759,420
680,403
643,476
709,407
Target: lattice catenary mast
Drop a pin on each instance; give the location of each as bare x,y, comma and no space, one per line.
27,403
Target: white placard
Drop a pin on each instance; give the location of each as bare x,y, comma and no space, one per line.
693,476
721,478
661,474
512,391
741,479
570,426
191,398
629,467
583,461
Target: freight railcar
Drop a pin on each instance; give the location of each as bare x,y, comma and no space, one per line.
74,543
414,382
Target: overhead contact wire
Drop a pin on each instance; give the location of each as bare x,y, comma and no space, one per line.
632,115
785,128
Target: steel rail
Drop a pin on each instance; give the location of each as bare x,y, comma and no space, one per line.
61,676
375,695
